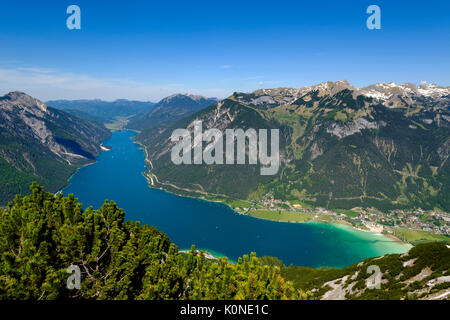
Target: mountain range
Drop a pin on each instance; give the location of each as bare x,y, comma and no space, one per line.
102,111
135,115
385,145
170,109
40,143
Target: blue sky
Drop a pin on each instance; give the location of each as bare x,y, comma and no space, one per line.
146,50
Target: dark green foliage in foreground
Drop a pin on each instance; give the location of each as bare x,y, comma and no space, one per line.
41,235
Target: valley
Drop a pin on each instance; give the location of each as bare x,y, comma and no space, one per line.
214,226
238,152
302,244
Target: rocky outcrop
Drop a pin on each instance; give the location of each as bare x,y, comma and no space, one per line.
345,130
40,143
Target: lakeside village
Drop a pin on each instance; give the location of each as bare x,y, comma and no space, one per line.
408,225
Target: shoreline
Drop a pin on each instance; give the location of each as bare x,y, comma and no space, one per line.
151,184
70,178
102,149
381,243
149,176
391,236
337,224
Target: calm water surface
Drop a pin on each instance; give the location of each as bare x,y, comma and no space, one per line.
117,175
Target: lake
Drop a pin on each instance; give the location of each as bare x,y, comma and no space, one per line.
117,175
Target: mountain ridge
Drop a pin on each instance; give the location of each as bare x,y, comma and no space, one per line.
383,92
394,149
169,110
38,142
103,111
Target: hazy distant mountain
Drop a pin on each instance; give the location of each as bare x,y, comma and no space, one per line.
103,111
41,143
385,145
170,109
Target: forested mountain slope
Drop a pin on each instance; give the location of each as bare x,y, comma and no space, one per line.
385,145
41,143
170,109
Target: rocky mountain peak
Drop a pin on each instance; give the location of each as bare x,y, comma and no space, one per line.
40,144
171,108
395,95
269,98
182,96
21,100
390,94
329,87
433,90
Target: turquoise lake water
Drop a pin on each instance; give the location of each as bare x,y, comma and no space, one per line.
117,175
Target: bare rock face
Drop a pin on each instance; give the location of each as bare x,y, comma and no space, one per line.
22,100
391,95
38,142
37,121
342,131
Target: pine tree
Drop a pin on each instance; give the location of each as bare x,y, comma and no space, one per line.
42,234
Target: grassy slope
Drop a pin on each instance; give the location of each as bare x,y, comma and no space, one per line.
282,216
418,236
